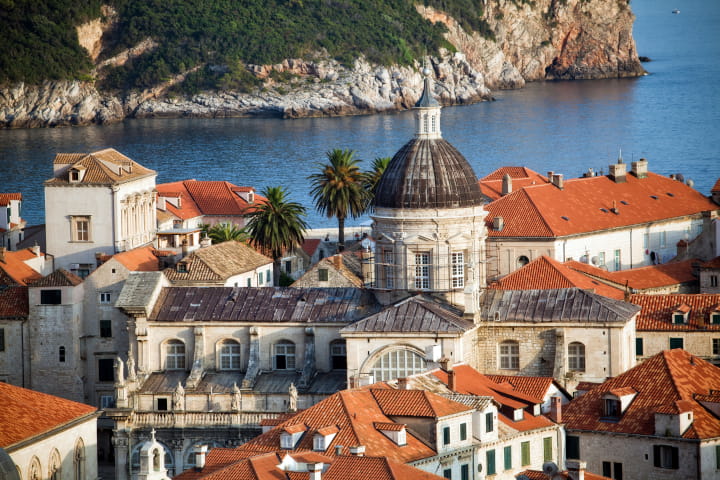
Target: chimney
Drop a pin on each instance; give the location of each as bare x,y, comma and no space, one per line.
506,184
205,242
358,451
556,409
498,224
444,363
639,168
184,248
451,379
200,452
402,383
337,261
36,250
576,469
614,208
2,254
618,171
557,180
315,470
550,175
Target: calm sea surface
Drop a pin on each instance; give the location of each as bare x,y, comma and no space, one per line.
671,117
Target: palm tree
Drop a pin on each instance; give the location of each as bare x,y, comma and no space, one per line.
338,189
223,232
372,177
276,226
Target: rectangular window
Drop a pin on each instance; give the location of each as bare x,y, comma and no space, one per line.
50,297
490,455
663,239
465,472
572,447
678,318
507,453
288,266
105,297
713,280
268,277
607,469
162,404
489,422
80,229
106,370
447,473
717,457
422,271
260,278
105,328
646,240
665,456
323,274
716,346
446,435
463,431
676,343
458,269
388,268
639,346
509,355
547,449
601,259
525,454
2,339
617,471
618,262
107,401
249,282
612,408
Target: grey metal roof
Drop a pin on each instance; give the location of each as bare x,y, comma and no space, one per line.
263,304
415,314
558,305
427,99
428,173
477,402
139,291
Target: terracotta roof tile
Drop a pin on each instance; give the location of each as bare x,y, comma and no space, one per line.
536,387
26,413
545,273
5,198
716,187
660,381
141,259
310,245
104,167
714,263
14,301
656,311
539,475
14,266
59,278
208,198
643,278
491,185
584,205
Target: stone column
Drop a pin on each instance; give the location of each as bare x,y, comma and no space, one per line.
177,446
120,442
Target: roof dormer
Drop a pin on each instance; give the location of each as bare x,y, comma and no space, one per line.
714,315
681,314
290,436
76,173
323,437
673,420
616,401
394,431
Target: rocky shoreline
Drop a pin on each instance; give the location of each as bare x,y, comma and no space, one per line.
549,40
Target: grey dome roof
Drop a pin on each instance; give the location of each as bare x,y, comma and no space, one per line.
428,173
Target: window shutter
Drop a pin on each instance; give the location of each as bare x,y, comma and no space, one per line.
638,346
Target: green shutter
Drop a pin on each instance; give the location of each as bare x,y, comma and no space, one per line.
490,454
638,346
508,457
489,422
463,431
547,449
446,435
465,472
525,453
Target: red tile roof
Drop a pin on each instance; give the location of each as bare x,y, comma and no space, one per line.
714,263
15,267
546,273
660,381
656,311
643,278
491,185
584,205
536,387
143,259
104,167
539,475
5,198
716,187
26,413
14,301
207,198
470,381
310,245
59,278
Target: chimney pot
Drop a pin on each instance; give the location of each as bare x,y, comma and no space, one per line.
337,261
618,172
402,383
338,449
556,409
36,250
576,469
451,379
557,180
200,453
506,184
358,450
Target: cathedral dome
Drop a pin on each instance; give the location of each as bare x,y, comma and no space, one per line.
428,173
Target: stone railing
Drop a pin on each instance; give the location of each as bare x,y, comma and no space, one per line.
199,419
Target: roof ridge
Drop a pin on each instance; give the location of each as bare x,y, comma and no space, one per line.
675,379
349,416
537,210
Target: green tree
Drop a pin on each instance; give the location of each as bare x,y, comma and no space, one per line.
338,189
372,177
225,231
276,226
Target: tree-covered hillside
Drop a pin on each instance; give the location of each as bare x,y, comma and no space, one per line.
220,35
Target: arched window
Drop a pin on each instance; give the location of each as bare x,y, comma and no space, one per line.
398,363
284,355
338,355
576,357
174,355
79,460
522,261
61,354
229,355
54,464
509,355
34,469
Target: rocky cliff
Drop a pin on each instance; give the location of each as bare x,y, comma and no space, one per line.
533,40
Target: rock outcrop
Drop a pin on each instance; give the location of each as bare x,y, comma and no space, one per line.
538,40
